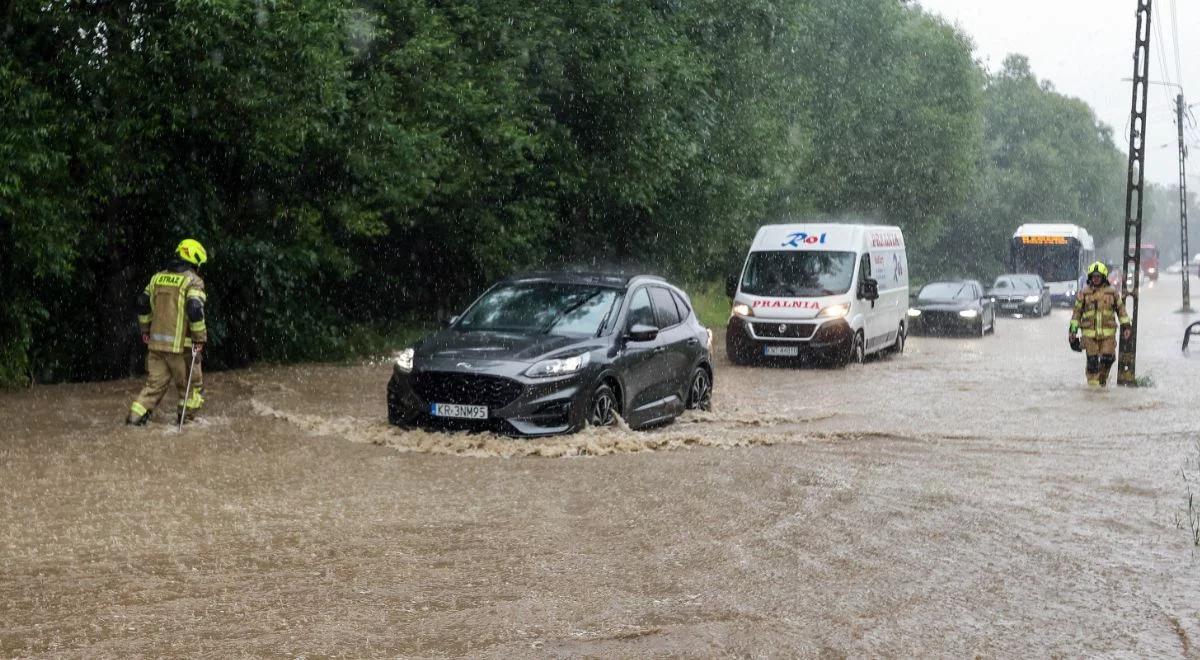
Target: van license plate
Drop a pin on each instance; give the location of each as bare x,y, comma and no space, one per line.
459,411
781,351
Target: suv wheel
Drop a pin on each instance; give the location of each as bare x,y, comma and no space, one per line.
700,390
603,409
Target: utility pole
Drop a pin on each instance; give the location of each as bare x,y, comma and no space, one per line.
1135,185
1183,219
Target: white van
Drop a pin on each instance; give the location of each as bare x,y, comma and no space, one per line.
831,291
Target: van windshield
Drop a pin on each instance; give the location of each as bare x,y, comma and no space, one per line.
798,273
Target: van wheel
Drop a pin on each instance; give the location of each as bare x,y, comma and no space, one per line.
857,352
898,347
737,348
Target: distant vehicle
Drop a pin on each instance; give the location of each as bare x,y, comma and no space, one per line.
953,306
1058,253
1175,269
1021,294
827,291
1149,261
549,353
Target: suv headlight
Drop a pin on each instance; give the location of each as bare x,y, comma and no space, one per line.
558,367
404,359
835,311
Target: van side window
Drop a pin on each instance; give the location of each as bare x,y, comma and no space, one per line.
864,269
664,304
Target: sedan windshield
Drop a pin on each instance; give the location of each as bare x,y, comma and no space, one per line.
553,308
946,291
1018,283
795,273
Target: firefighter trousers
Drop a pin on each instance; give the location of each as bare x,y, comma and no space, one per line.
162,369
1101,354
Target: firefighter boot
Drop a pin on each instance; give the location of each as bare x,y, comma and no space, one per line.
1093,371
138,415
1106,363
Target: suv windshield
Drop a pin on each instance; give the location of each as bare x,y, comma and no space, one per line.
548,308
792,273
946,291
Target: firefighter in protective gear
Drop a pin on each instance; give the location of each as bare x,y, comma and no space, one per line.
171,317
1099,313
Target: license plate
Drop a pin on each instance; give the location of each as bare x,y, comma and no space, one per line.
1009,306
459,411
781,351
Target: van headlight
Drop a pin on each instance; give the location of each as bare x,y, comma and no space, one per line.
404,359
968,313
742,309
558,366
1032,299
835,311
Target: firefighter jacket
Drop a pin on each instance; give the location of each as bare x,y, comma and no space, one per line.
171,309
1099,312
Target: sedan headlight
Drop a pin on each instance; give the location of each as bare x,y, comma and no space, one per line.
835,311
742,309
1032,299
558,367
404,359
914,312
968,313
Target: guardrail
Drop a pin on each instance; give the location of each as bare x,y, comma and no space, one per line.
1193,330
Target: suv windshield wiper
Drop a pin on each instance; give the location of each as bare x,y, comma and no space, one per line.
554,321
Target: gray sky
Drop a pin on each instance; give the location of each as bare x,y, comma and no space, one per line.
1085,48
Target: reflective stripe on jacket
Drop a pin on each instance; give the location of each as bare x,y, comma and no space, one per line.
176,318
1099,312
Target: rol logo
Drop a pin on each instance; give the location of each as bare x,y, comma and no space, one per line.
800,239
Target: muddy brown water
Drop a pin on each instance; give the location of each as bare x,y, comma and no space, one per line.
970,497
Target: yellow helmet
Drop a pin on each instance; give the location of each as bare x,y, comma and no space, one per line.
1098,267
192,252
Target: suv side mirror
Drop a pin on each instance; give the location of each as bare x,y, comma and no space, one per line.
641,332
868,289
731,286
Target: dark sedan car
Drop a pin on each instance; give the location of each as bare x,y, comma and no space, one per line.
1021,294
952,306
550,353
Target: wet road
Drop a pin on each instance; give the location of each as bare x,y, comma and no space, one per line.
970,497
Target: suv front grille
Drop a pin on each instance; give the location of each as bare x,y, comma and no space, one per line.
789,330
466,389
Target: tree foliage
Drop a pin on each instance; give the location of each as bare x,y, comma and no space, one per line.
365,161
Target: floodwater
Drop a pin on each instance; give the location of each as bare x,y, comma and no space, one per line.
970,497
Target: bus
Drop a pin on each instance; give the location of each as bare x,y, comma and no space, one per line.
1059,253
1149,260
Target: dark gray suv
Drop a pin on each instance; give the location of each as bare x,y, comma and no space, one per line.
548,353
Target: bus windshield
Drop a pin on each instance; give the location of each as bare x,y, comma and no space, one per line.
1055,263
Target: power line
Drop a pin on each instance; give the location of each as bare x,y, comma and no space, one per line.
1175,36
1162,61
